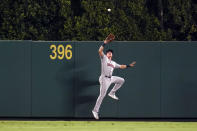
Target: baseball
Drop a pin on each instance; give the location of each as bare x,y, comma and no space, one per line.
109,10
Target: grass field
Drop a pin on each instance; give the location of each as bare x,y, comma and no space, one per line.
96,126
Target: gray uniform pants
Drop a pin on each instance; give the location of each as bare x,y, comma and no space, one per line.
104,85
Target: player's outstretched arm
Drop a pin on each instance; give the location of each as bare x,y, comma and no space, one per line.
109,39
126,66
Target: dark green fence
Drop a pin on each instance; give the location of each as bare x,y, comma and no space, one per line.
60,79
179,81
15,78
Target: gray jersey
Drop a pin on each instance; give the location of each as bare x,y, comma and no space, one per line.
107,66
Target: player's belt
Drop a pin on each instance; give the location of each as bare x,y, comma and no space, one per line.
108,76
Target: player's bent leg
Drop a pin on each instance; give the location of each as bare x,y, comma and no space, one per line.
118,83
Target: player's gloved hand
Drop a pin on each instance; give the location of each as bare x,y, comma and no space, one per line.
109,38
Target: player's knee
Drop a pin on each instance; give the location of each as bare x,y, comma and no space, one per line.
122,80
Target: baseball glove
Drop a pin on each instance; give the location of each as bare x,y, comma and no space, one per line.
110,37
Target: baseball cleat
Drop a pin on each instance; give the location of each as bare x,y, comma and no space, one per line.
95,114
113,96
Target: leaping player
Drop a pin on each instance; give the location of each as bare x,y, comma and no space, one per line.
106,78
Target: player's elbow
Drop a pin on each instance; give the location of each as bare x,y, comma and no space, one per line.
100,52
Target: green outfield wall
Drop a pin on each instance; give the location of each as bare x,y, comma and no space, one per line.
60,79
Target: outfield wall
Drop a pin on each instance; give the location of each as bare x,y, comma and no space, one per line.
60,79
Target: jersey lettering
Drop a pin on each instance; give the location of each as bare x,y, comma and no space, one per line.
109,64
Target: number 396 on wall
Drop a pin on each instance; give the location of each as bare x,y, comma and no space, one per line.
60,52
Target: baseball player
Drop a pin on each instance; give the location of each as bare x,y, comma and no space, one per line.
106,78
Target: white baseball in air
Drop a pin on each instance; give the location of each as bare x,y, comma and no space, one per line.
109,10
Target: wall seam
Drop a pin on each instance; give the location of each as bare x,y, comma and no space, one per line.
31,114
74,80
160,79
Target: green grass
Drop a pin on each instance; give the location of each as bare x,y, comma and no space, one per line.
96,126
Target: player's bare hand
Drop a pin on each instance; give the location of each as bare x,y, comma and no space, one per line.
109,38
133,64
